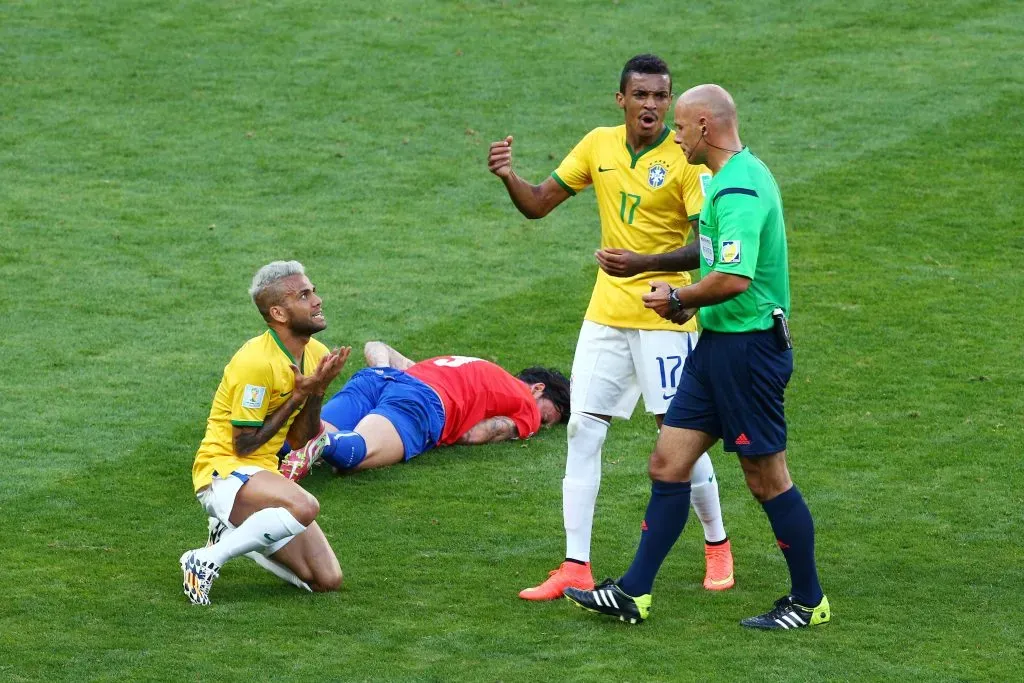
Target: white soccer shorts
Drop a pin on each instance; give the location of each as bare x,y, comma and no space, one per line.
613,366
218,499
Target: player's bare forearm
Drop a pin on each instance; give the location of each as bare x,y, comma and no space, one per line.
380,355
534,201
491,430
683,258
307,422
248,439
619,262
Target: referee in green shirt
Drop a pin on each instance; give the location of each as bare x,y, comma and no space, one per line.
733,383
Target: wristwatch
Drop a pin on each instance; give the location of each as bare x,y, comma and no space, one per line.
674,304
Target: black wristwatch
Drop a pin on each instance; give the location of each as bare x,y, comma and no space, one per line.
674,304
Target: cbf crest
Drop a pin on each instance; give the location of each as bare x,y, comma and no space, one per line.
656,175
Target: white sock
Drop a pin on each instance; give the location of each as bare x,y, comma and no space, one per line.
263,528
704,499
586,435
279,570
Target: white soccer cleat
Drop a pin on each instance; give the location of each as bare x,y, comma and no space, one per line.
198,577
297,464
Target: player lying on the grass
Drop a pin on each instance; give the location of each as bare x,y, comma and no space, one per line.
396,409
264,396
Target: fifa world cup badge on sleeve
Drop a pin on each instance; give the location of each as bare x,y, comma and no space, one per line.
252,396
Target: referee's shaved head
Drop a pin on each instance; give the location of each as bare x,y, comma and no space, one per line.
712,101
706,126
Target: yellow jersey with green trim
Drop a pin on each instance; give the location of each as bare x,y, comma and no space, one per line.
256,382
646,199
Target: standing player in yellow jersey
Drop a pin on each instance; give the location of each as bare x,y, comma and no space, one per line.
647,196
271,389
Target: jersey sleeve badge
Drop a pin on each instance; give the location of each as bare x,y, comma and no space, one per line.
731,251
705,178
253,395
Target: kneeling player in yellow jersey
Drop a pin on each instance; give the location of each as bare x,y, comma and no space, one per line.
647,196
271,389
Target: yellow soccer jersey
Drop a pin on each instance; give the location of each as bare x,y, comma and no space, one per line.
256,382
646,200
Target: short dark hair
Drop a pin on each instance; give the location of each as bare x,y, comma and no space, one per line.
556,387
644,64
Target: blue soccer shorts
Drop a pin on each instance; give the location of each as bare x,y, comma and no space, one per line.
410,405
732,388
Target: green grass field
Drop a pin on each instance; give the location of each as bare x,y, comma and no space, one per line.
153,155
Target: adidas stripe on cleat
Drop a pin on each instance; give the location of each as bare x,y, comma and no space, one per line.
788,614
608,598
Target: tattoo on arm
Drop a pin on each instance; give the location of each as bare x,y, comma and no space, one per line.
307,422
684,258
491,430
248,439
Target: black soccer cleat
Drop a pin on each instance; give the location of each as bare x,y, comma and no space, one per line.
788,614
608,598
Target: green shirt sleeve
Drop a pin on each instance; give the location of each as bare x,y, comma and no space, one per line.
740,217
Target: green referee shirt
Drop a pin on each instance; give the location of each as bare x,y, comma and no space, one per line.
742,233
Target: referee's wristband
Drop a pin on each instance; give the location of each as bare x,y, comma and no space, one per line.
674,304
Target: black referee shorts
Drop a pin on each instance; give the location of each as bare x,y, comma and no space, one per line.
732,388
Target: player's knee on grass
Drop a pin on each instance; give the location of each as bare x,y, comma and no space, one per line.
325,579
329,581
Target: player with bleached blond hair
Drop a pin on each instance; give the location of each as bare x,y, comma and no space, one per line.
271,389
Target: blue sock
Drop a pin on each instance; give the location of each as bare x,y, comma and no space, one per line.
794,531
663,522
284,450
345,450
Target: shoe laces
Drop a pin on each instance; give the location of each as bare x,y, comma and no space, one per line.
782,606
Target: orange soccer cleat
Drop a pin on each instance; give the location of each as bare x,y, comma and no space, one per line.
568,575
719,572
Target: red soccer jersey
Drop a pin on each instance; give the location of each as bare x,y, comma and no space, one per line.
473,390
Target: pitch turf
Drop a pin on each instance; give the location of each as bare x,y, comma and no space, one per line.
153,155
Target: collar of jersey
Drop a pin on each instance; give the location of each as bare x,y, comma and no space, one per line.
636,157
281,346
